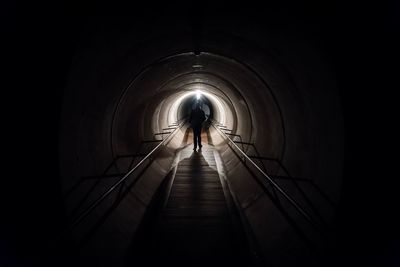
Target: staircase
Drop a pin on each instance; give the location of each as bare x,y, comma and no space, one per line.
195,226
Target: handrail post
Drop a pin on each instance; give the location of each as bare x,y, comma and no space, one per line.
294,203
94,204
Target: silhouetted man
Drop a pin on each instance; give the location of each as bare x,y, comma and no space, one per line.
196,120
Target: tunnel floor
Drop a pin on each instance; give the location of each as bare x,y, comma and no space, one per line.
195,227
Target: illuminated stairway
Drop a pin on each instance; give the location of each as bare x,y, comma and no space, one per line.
195,226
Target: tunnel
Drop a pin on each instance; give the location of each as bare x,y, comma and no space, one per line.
272,184
283,119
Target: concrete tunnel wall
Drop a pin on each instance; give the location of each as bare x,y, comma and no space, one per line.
124,92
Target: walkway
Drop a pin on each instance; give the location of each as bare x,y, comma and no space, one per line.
195,227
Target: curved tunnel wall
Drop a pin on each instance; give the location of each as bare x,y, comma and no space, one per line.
114,103
163,104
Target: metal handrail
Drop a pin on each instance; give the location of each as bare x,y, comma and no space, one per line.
91,207
289,177
115,160
302,211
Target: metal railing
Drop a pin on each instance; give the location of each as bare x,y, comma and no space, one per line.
78,219
270,179
301,210
296,181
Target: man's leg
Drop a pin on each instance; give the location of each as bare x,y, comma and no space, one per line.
194,138
199,141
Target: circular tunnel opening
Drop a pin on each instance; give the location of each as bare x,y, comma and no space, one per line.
189,103
236,101
255,103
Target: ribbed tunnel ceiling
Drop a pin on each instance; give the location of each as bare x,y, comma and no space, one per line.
125,92
224,82
287,115
130,91
98,80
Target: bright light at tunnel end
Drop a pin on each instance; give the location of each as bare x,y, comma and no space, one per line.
172,114
198,94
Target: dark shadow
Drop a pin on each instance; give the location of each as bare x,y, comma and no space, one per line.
277,201
115,165
191,228
287,176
